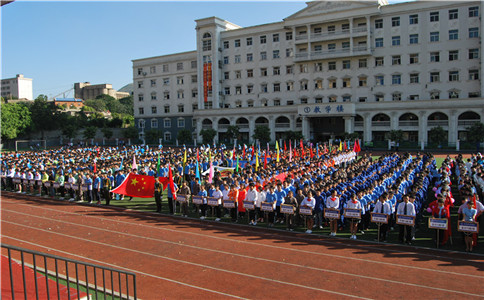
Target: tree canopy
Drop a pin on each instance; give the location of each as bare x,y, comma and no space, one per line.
15,119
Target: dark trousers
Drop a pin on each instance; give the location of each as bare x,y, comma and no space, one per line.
405,233
383,232
171,206
158,201
107,196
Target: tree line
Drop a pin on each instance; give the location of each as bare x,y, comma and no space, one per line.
22,119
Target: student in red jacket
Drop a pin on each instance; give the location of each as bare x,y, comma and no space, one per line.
441,211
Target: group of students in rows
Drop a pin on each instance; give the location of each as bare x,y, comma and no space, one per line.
395,184
469,176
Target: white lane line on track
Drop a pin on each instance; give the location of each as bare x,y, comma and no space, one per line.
245,256
126,269
195,264
277,247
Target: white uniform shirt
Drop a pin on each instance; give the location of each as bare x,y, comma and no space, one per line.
410,209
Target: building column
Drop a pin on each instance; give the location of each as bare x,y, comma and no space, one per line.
215,127
292,119
452,135
305,128
349,124
422,127
393,121
198,129
309,38
251,128
351,35
367,127
368,32
272,127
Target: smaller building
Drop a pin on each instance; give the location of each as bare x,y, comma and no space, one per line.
69,102
86,91
17,88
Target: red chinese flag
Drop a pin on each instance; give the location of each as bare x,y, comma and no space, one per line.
134,185
265,160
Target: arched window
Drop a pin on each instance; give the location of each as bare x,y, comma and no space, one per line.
207,42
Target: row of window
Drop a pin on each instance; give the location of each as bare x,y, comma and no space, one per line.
166,68
166,109
166,124
180,80
434,37
346,82
413,58
453,14
262,40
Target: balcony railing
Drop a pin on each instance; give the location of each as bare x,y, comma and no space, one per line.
283,125
437,123
333,53
467,122
358,123
262,124
380,123
204,126
328,35
223,126
408,123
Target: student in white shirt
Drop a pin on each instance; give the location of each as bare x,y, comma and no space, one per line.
354,203
383,207
332,202
309,201
405,208
252,196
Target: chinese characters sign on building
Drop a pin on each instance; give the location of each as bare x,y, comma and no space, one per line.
329,109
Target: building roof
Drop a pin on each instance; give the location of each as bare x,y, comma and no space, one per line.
67,100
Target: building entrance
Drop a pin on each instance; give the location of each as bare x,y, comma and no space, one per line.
325,128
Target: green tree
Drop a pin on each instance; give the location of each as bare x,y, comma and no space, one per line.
233,132
130,132
184,136
208,135
153,136
263,134
69,131
107,132
437,135
96,105
89,132
396,135
475,134
15,119
44,115
294,135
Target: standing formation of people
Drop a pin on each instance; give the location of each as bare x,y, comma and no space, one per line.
396,184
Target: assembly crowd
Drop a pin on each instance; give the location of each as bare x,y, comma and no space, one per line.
304,177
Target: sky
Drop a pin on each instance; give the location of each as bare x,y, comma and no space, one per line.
59,43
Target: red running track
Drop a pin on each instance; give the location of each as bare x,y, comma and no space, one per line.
176,258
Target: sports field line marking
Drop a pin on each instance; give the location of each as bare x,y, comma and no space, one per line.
245,256
126,269
276,247
194,264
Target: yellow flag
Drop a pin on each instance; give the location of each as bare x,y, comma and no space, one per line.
256,161
340,146
277,150
185,157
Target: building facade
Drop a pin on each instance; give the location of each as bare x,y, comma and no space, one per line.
18,87
330,68
86,91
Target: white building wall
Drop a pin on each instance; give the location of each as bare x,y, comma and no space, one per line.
406,69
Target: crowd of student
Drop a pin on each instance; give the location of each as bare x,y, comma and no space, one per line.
307,178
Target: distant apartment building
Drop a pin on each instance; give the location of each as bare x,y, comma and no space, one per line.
17,88
86,91
330,68
69,102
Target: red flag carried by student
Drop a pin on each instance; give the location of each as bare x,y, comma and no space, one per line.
135,185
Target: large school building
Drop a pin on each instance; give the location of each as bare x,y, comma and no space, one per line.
330,68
